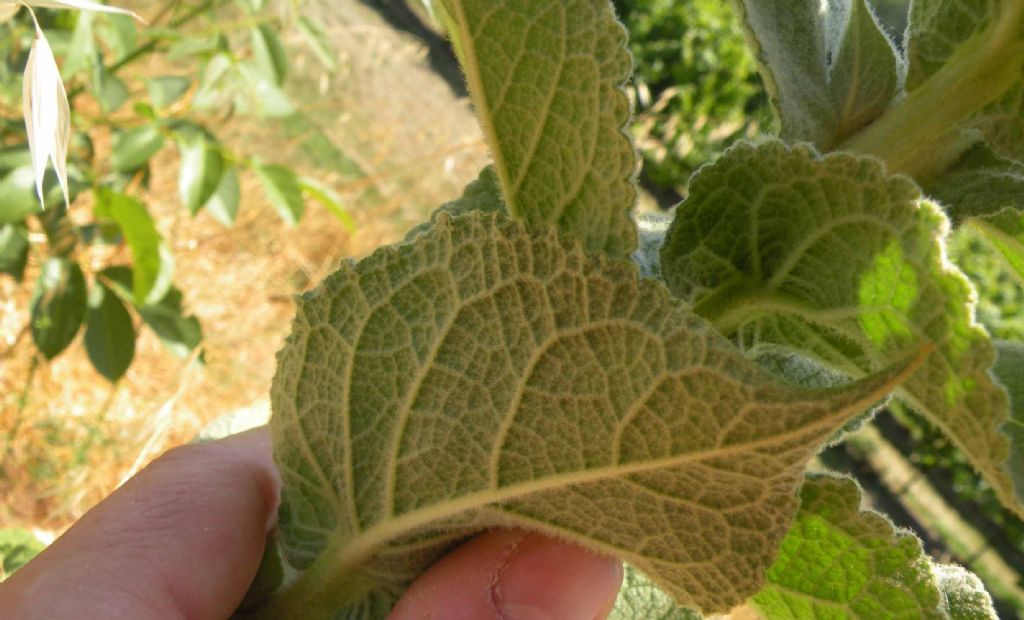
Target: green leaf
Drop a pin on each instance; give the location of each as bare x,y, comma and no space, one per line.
283,190
547,81
1009,371
167,89
830,259
1005,232
180,333
269,54
788,39
109,333
13,250
110,90
482,375
1002,123
864,76
640,598
81,51
980,184
841,562
223,205
133,148
17,547
58,306
483,195
329,199
153,265
265,98
965,595
18,197
316,40
202,166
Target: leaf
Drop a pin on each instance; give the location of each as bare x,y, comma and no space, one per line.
283,190
181,334
166,90
13,250
58,306
82,50
18,198
839,561
223,204
829,259
639,598
482,195
266,98
1005,232
134,148
47,114
269,54
1009,371
316,40
980,184
110,90
109,333
202,166
547,80
329,199
479,375
17,547
864,75
966,598
788,39
153,264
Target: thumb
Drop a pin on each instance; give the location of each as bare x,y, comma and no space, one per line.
514,575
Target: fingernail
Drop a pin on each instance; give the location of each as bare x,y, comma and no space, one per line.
546,580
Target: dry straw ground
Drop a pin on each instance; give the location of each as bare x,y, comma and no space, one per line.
67,438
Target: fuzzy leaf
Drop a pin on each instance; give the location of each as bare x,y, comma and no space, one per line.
547,80
788,38
830,259
841,562
1009,371
980,184
965,595
483,195
864,76
479,375
640,598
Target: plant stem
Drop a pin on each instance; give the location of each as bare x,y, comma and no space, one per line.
921,135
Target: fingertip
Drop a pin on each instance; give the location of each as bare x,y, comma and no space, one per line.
513,575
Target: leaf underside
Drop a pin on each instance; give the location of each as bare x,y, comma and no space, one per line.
482,376
547,79
829,259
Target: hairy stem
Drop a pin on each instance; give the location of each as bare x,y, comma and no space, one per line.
920,136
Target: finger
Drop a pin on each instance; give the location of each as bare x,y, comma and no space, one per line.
183,538
511,575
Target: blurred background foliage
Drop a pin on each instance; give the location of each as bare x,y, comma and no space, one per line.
361,105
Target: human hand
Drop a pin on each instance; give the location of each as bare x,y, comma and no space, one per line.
183,539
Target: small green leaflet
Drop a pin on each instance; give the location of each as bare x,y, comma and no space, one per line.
58,305
109,333
167,89
283,190
864,76
223,204
829,259
13,250
547,80
482,195
201,168
134,148
17,547
269,54
480,375
788,39
153,263
840,562
965,595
